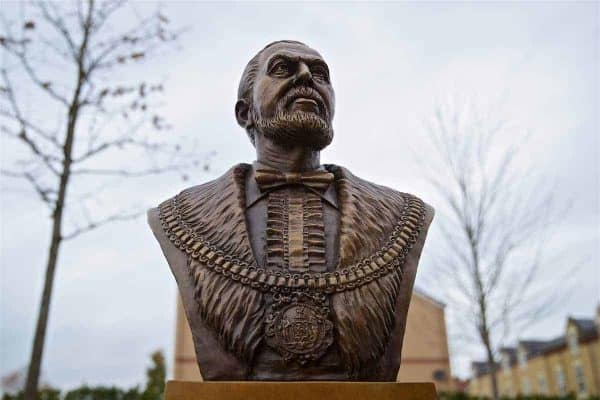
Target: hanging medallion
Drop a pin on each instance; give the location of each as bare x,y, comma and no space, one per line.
298,326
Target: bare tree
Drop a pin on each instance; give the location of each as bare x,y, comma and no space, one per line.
494,220
73,103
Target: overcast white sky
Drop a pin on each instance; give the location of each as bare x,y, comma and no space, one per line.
114,299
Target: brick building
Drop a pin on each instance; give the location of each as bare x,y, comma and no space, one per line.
569,363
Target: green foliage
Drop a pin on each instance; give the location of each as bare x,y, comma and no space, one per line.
155,378
102,393
453,396
464,396
43,394
155,386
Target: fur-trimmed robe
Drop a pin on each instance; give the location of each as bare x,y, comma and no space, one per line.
365,318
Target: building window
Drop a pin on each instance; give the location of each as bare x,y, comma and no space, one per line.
439,375
522,356
526,386
542,383
580,379
506,362
560,381
572,339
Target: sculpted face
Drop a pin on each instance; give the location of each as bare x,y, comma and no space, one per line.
292,100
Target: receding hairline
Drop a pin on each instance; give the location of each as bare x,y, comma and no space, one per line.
272,48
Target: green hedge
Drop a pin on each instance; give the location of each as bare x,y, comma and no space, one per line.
464,396
155,386
86,393
44,394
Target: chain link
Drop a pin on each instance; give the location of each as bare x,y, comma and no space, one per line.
387,260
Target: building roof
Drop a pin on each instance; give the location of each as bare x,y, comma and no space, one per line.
533,347
480,368
509,350
420,292
554,344
587,328
585,324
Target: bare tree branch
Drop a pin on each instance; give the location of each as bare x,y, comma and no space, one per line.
57,22
47,159
46,86
29,127
128,173
491,227
96,224
119,143
45,194
63,59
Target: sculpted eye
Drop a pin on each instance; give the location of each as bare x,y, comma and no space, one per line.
320,73
280,68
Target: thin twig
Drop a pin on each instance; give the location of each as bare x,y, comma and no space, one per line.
44,193
96,224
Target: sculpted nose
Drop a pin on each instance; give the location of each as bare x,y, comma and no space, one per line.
303,74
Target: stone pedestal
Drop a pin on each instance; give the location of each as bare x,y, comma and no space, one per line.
313,390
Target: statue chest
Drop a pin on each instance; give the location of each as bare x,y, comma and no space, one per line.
294,231
298,290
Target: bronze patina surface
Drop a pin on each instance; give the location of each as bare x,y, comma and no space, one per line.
288,269
299,391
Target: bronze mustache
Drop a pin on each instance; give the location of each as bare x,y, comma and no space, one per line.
304,92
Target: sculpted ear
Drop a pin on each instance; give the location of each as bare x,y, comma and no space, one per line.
242,114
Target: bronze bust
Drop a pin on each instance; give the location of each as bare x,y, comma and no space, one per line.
289,269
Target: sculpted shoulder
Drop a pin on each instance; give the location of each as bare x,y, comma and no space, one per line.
226,189
376,197
153,214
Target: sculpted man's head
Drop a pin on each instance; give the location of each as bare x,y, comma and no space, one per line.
286,96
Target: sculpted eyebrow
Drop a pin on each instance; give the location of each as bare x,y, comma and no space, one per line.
293,58
319,63
278,57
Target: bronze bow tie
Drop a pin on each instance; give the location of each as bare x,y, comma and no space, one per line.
270,179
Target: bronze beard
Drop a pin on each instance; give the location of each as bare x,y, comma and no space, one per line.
363,317
298,127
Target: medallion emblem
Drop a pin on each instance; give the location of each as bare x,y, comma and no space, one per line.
298,326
